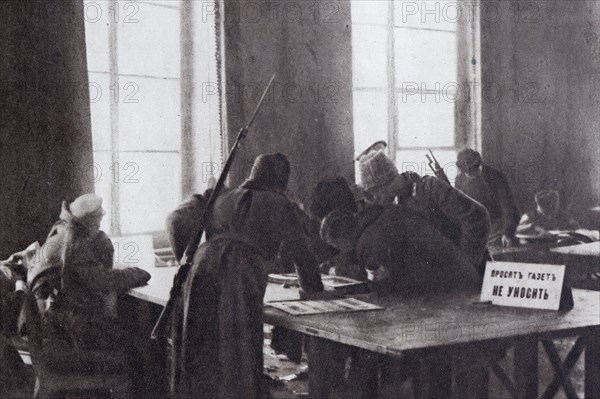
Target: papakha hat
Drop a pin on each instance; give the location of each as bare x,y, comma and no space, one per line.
270,171
376,170
376,146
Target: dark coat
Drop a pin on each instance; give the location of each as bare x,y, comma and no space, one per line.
454,214
492,191
85,312
217,330
417,255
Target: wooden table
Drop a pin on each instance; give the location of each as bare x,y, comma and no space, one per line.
591,249
583,264
526,253
454,325
448,324
157,290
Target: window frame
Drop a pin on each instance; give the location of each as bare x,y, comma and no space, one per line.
461,138
185,80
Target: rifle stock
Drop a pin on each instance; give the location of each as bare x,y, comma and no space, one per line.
160,329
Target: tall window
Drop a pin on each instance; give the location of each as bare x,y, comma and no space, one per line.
142,68
406,83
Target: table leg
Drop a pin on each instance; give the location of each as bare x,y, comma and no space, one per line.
363,379
440,377
592,366
526,368
325,364
472,383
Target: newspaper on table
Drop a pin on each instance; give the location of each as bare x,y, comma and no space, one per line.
328,306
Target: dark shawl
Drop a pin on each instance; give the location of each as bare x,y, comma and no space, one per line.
217,330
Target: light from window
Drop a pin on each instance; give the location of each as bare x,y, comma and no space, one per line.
404,79
135,58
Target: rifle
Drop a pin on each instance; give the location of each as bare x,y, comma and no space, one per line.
436,168
160,328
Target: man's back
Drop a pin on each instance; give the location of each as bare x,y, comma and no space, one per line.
417,255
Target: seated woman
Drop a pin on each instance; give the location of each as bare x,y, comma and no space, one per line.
80,307
217,328
547,216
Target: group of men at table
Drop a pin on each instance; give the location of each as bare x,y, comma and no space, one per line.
407,233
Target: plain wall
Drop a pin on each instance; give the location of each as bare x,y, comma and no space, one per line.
541,102
45,131
308,112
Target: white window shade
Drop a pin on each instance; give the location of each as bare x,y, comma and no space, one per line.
151,46
425,57
153,121
430,14
425,120
369,12
369,48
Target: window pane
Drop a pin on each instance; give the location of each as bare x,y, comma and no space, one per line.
425,57
369,55
149,43
369,12
370,118
150,188
425,121
430,14
416,161
149,114
97,23
101,174
100,111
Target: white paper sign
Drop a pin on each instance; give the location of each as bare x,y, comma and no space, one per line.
525,285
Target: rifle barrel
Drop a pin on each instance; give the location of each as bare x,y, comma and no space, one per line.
260,102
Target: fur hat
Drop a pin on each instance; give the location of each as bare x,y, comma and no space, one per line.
338,225
376,146
87,205
376,170
468,160
332,194
548,199
269,172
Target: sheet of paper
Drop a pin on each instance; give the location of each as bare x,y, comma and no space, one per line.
330,306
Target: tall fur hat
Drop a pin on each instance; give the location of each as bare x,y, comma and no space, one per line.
376,170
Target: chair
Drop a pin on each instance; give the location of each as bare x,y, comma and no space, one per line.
61,368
